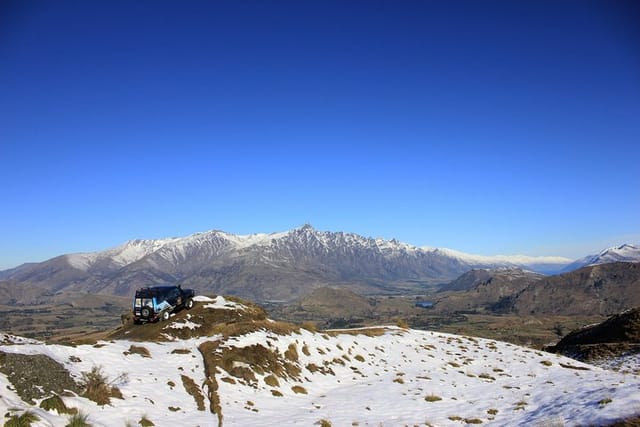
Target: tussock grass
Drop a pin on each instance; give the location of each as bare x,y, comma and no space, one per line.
79,420
323,423
146,422
194,390
272,381
432,398
235,329
24,420
473,420
305,350
181,351
137,349
604,401
55,403
546,362
97,387
291,353
298,389
369,332
486,376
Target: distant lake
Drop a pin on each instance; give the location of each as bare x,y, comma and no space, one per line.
424,304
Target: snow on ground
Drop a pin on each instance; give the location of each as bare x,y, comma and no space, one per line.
402,377
219,302
396,379
146,383
627,363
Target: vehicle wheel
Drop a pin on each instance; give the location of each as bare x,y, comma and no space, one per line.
189,304
165,316
145,313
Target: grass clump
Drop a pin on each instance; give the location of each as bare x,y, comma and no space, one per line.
473,420
291,353
23,420
272,381
298,389
455,418
323,423
194,390
55,403
546,362
492,411
432,398
138,349
486,376
520,405
604,401
146,422
98,388
403,324
78,420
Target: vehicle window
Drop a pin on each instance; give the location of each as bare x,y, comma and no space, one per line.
143,302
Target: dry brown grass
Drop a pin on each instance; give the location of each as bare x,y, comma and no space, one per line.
98,388
369,332
298,389
136,349
272,381
291,353
432,398
55,403
194,390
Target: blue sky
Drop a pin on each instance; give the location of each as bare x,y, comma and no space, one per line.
487,127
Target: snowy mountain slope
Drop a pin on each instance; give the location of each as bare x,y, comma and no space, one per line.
622,253
276,266
266,373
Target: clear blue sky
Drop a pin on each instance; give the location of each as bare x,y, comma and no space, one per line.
488,127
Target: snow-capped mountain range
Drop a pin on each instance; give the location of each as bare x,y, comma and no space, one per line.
280,266
175,250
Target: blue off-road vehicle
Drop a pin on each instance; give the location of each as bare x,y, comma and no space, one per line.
158,302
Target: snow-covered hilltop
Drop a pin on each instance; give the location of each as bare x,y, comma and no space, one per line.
622,253
249,370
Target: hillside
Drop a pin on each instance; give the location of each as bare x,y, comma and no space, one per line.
223,363
261,267
614,342
483,290
603,289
